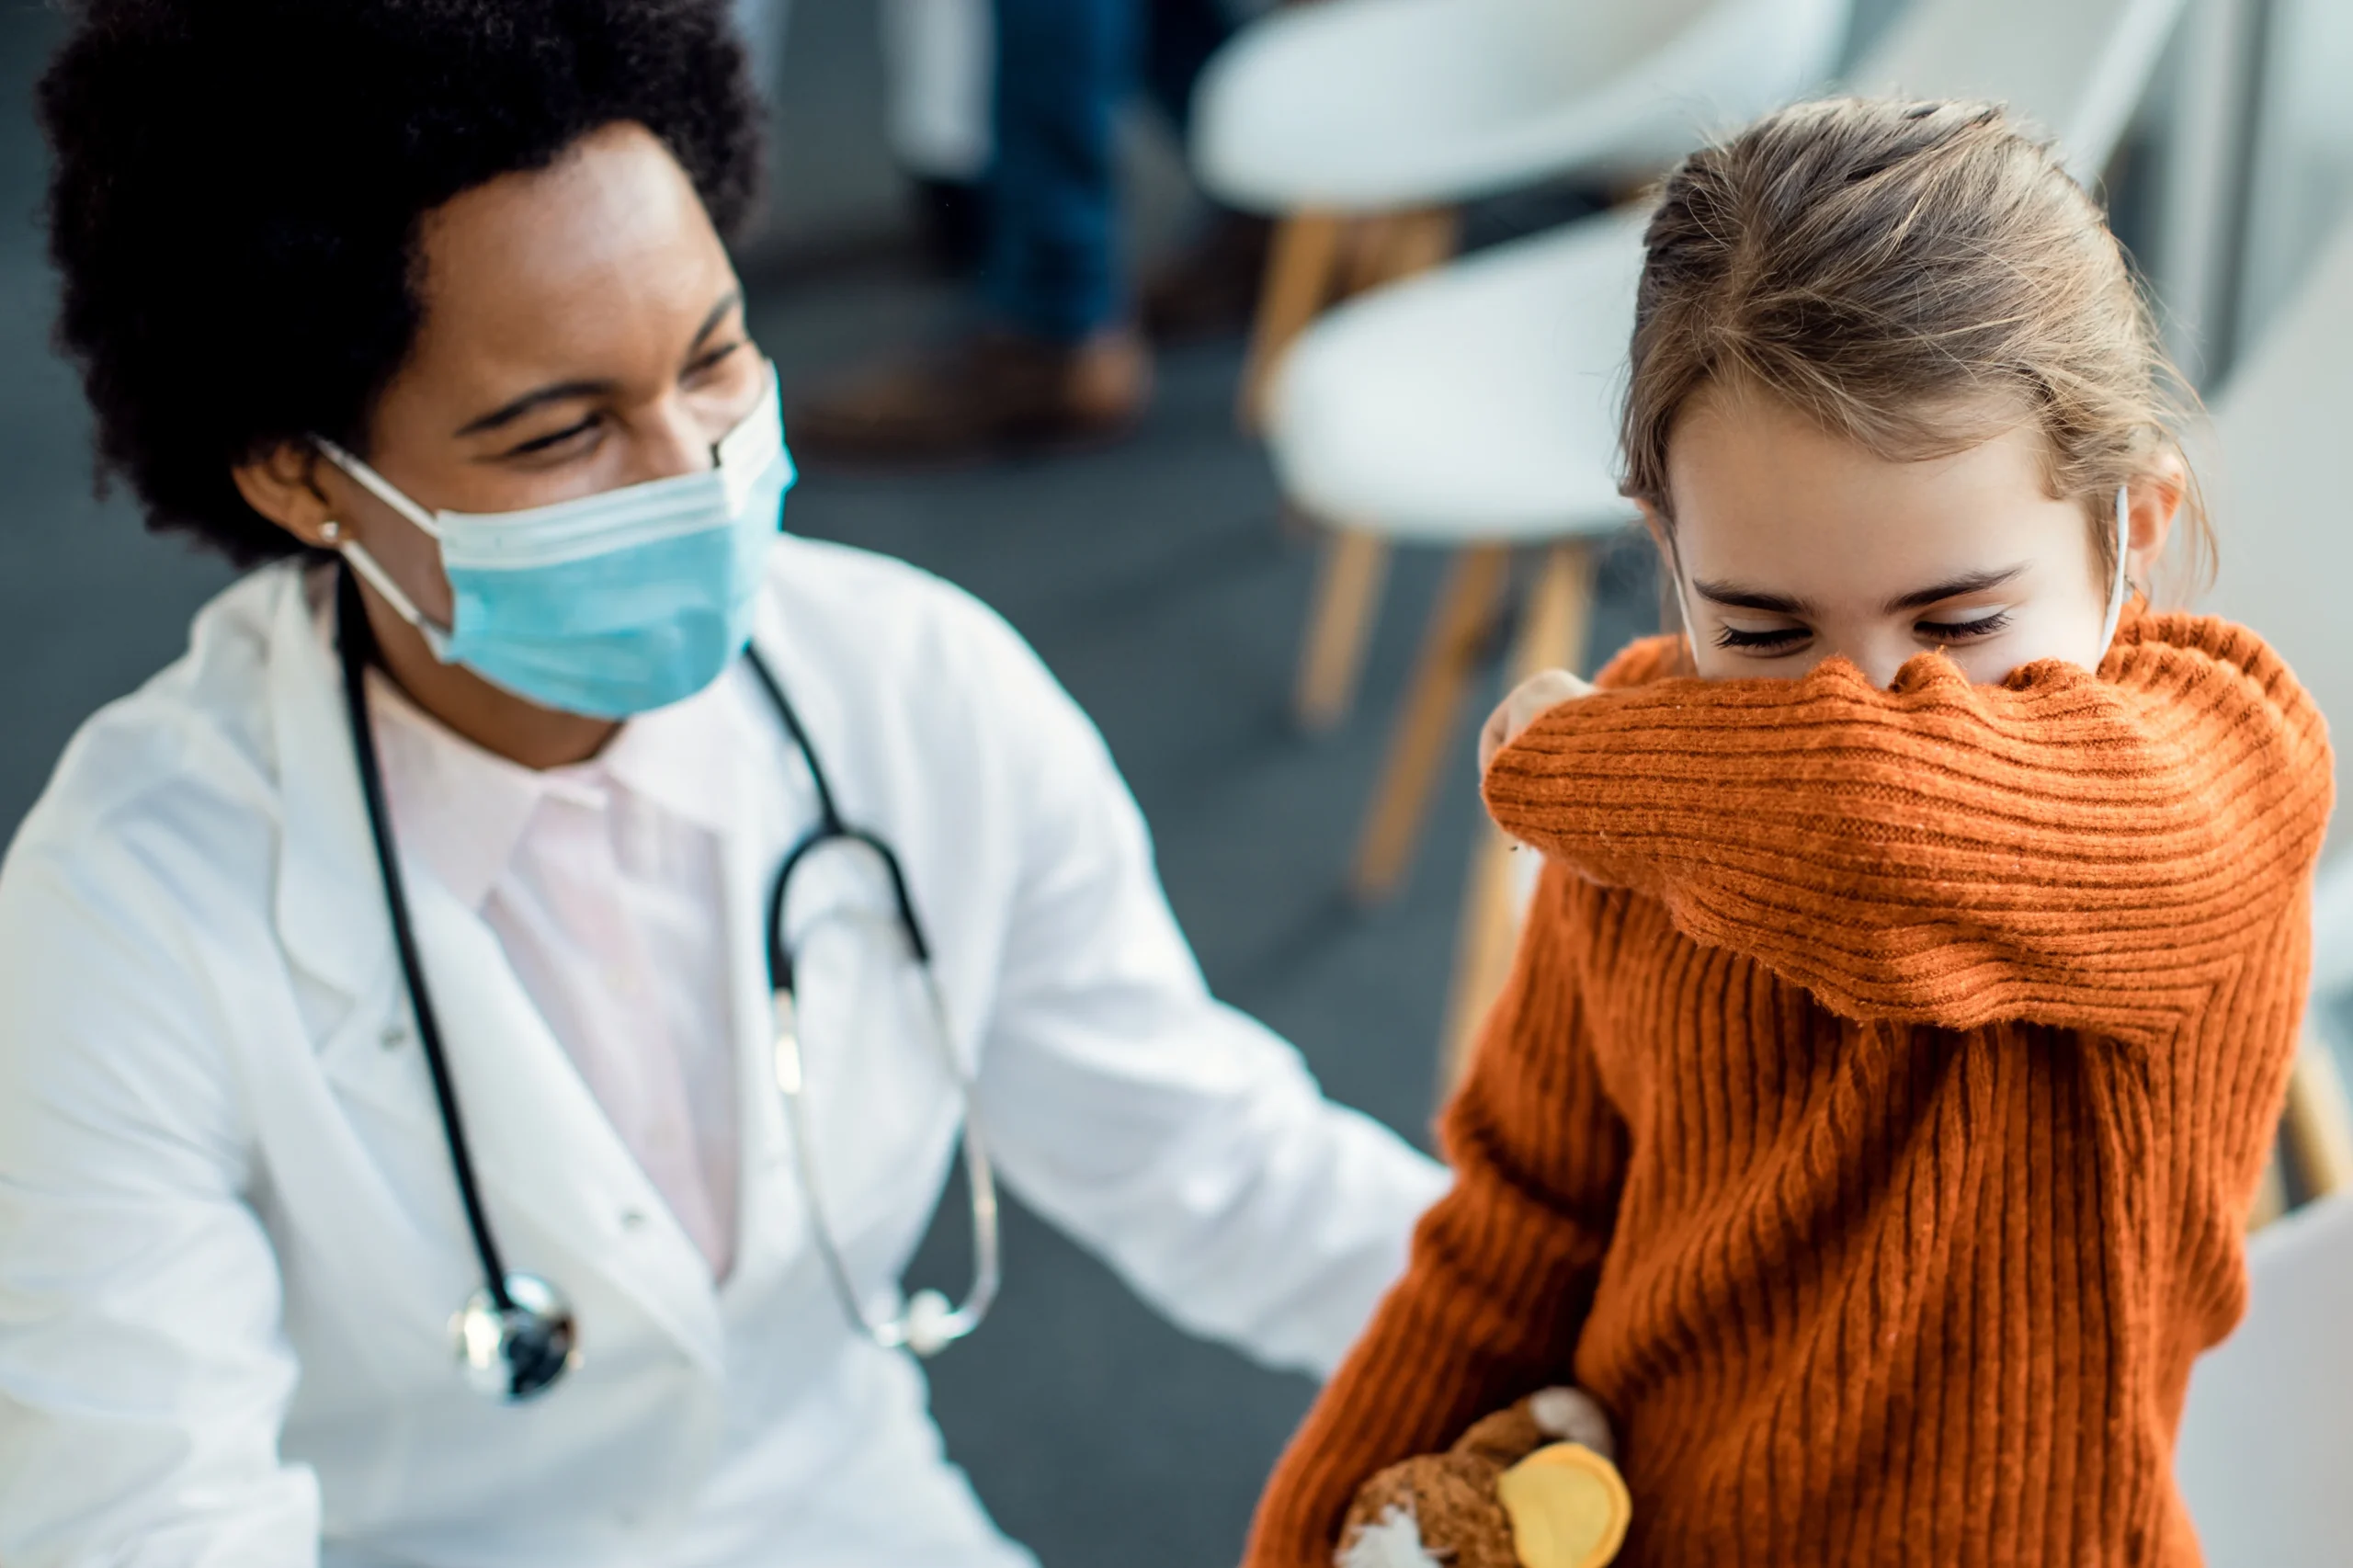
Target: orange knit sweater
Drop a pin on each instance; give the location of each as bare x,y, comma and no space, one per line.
1874,1110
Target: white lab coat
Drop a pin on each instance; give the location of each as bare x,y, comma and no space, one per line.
230,1243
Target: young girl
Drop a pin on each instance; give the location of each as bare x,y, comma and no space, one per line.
1901,1021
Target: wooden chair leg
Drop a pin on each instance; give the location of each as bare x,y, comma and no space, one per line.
1347,594
1386,246
1360,261
1422,239
1299,267
1552,634
1488,933
1456,629
2317,1132
1317,256
2270,1196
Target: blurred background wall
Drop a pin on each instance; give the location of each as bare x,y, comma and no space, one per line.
1157,581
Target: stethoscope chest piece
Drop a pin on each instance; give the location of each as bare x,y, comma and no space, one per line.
514,1350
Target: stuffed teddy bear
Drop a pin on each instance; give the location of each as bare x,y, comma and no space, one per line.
1528,1487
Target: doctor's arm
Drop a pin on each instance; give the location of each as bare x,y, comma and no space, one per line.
1184,1142
143,1374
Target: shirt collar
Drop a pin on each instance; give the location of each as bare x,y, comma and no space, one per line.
683,758
465,809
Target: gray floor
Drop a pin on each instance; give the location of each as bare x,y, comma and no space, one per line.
1157,583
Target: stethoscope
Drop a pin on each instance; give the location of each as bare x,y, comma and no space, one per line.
515,1334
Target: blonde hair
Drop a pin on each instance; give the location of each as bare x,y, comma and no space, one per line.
1915,277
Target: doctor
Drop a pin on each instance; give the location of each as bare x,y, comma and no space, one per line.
405,1157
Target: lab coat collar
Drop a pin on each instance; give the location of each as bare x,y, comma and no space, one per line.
328,901
686,758
470,807
460,809
538,1137
539,1141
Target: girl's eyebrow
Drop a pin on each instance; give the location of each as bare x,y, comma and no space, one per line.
1953,587
1739,597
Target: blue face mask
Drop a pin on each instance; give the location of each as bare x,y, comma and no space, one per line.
606,605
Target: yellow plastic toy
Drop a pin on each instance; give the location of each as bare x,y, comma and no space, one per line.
1528,1487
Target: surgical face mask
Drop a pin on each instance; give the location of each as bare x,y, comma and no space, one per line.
607,605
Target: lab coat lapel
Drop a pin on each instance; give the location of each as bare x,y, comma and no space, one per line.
768,1222
540,1143
329,902
773,804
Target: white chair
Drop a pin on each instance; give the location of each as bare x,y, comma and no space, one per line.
1480,403
2268,1431
1393,110
1371,104
2267,1436
1475,407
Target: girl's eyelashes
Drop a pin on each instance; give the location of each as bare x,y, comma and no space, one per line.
1957,631
1780,639
1789,639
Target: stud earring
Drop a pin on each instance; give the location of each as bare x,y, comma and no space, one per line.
330,533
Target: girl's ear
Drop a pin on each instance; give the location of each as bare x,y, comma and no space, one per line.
1670,586
1656,523
2152,502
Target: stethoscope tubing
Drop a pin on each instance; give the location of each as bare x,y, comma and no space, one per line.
830,828
928,1324
355,645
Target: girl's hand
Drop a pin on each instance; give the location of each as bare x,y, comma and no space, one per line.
1545,690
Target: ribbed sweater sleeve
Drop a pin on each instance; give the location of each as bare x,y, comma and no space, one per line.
1503,1266
2085,851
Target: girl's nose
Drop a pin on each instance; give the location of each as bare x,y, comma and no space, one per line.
1878,659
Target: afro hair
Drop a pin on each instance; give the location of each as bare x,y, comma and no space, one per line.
237,191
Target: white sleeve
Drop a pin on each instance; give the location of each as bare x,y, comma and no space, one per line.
143,1376
1184,1142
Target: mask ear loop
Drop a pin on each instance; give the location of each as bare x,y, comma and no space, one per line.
2117,589
437,638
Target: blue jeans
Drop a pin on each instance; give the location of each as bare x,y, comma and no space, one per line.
1064,70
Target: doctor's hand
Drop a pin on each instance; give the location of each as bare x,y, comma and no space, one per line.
1545,690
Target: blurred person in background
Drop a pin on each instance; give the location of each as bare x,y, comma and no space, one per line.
940,59
939,64
1058,359
481,1034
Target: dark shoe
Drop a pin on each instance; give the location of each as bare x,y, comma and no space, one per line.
1212,288
951,224
996,394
